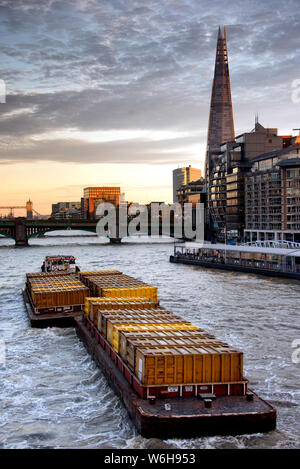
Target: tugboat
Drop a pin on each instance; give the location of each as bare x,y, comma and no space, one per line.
60,263
54,312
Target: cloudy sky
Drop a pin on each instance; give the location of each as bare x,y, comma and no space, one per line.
117,91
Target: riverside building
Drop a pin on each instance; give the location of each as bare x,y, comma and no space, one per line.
93,196
272,196
184,176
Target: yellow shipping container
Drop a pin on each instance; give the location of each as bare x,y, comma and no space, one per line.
187,365
112,301
96,307
46,274
131,292
85,275
99,272
116,329
127,316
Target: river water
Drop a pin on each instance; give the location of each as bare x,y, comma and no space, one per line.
52,395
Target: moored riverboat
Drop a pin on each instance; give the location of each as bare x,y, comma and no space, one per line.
274,262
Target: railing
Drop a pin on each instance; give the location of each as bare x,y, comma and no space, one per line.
261,265
282,244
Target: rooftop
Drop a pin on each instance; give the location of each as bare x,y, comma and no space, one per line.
239,248
276,153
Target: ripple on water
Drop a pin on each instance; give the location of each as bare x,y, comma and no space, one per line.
52,395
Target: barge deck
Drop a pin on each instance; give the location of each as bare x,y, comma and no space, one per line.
181,417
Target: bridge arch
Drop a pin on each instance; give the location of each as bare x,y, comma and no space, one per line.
6,235
35,233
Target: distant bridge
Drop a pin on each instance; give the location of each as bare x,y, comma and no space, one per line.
21,229
28,207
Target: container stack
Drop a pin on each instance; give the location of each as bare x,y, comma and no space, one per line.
93,304
157,346
56,292
114,284
154,346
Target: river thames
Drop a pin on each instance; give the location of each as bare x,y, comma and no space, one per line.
52,395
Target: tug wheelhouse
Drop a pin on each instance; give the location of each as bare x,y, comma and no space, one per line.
59,263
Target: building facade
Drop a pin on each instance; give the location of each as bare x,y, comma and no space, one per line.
221,123
66,210
93,196
183,176
193,192
252,180
272,196
227,179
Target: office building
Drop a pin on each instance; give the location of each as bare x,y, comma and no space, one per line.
221,124
66,210
183,176
93,196
272,196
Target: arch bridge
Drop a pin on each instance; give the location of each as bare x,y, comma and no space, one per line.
21,229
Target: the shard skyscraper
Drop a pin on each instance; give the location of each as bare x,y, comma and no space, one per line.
221,126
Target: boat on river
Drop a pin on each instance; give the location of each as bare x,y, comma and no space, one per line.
59,263
174,379
269,261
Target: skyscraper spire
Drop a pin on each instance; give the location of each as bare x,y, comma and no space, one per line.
221,126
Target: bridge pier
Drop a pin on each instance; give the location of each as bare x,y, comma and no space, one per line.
20,237
115,240
22,243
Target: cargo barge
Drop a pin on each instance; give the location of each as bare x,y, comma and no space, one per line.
53,299
271,262
174,379
50,319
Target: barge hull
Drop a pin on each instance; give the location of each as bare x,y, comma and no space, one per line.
188,416
232,267
48,319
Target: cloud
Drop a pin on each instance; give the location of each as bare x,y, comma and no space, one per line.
165,151
104,65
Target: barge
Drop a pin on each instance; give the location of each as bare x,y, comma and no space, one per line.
50,319
271,262
174,379
167,414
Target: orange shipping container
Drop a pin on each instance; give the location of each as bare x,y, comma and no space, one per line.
129,342
185,365
59,297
